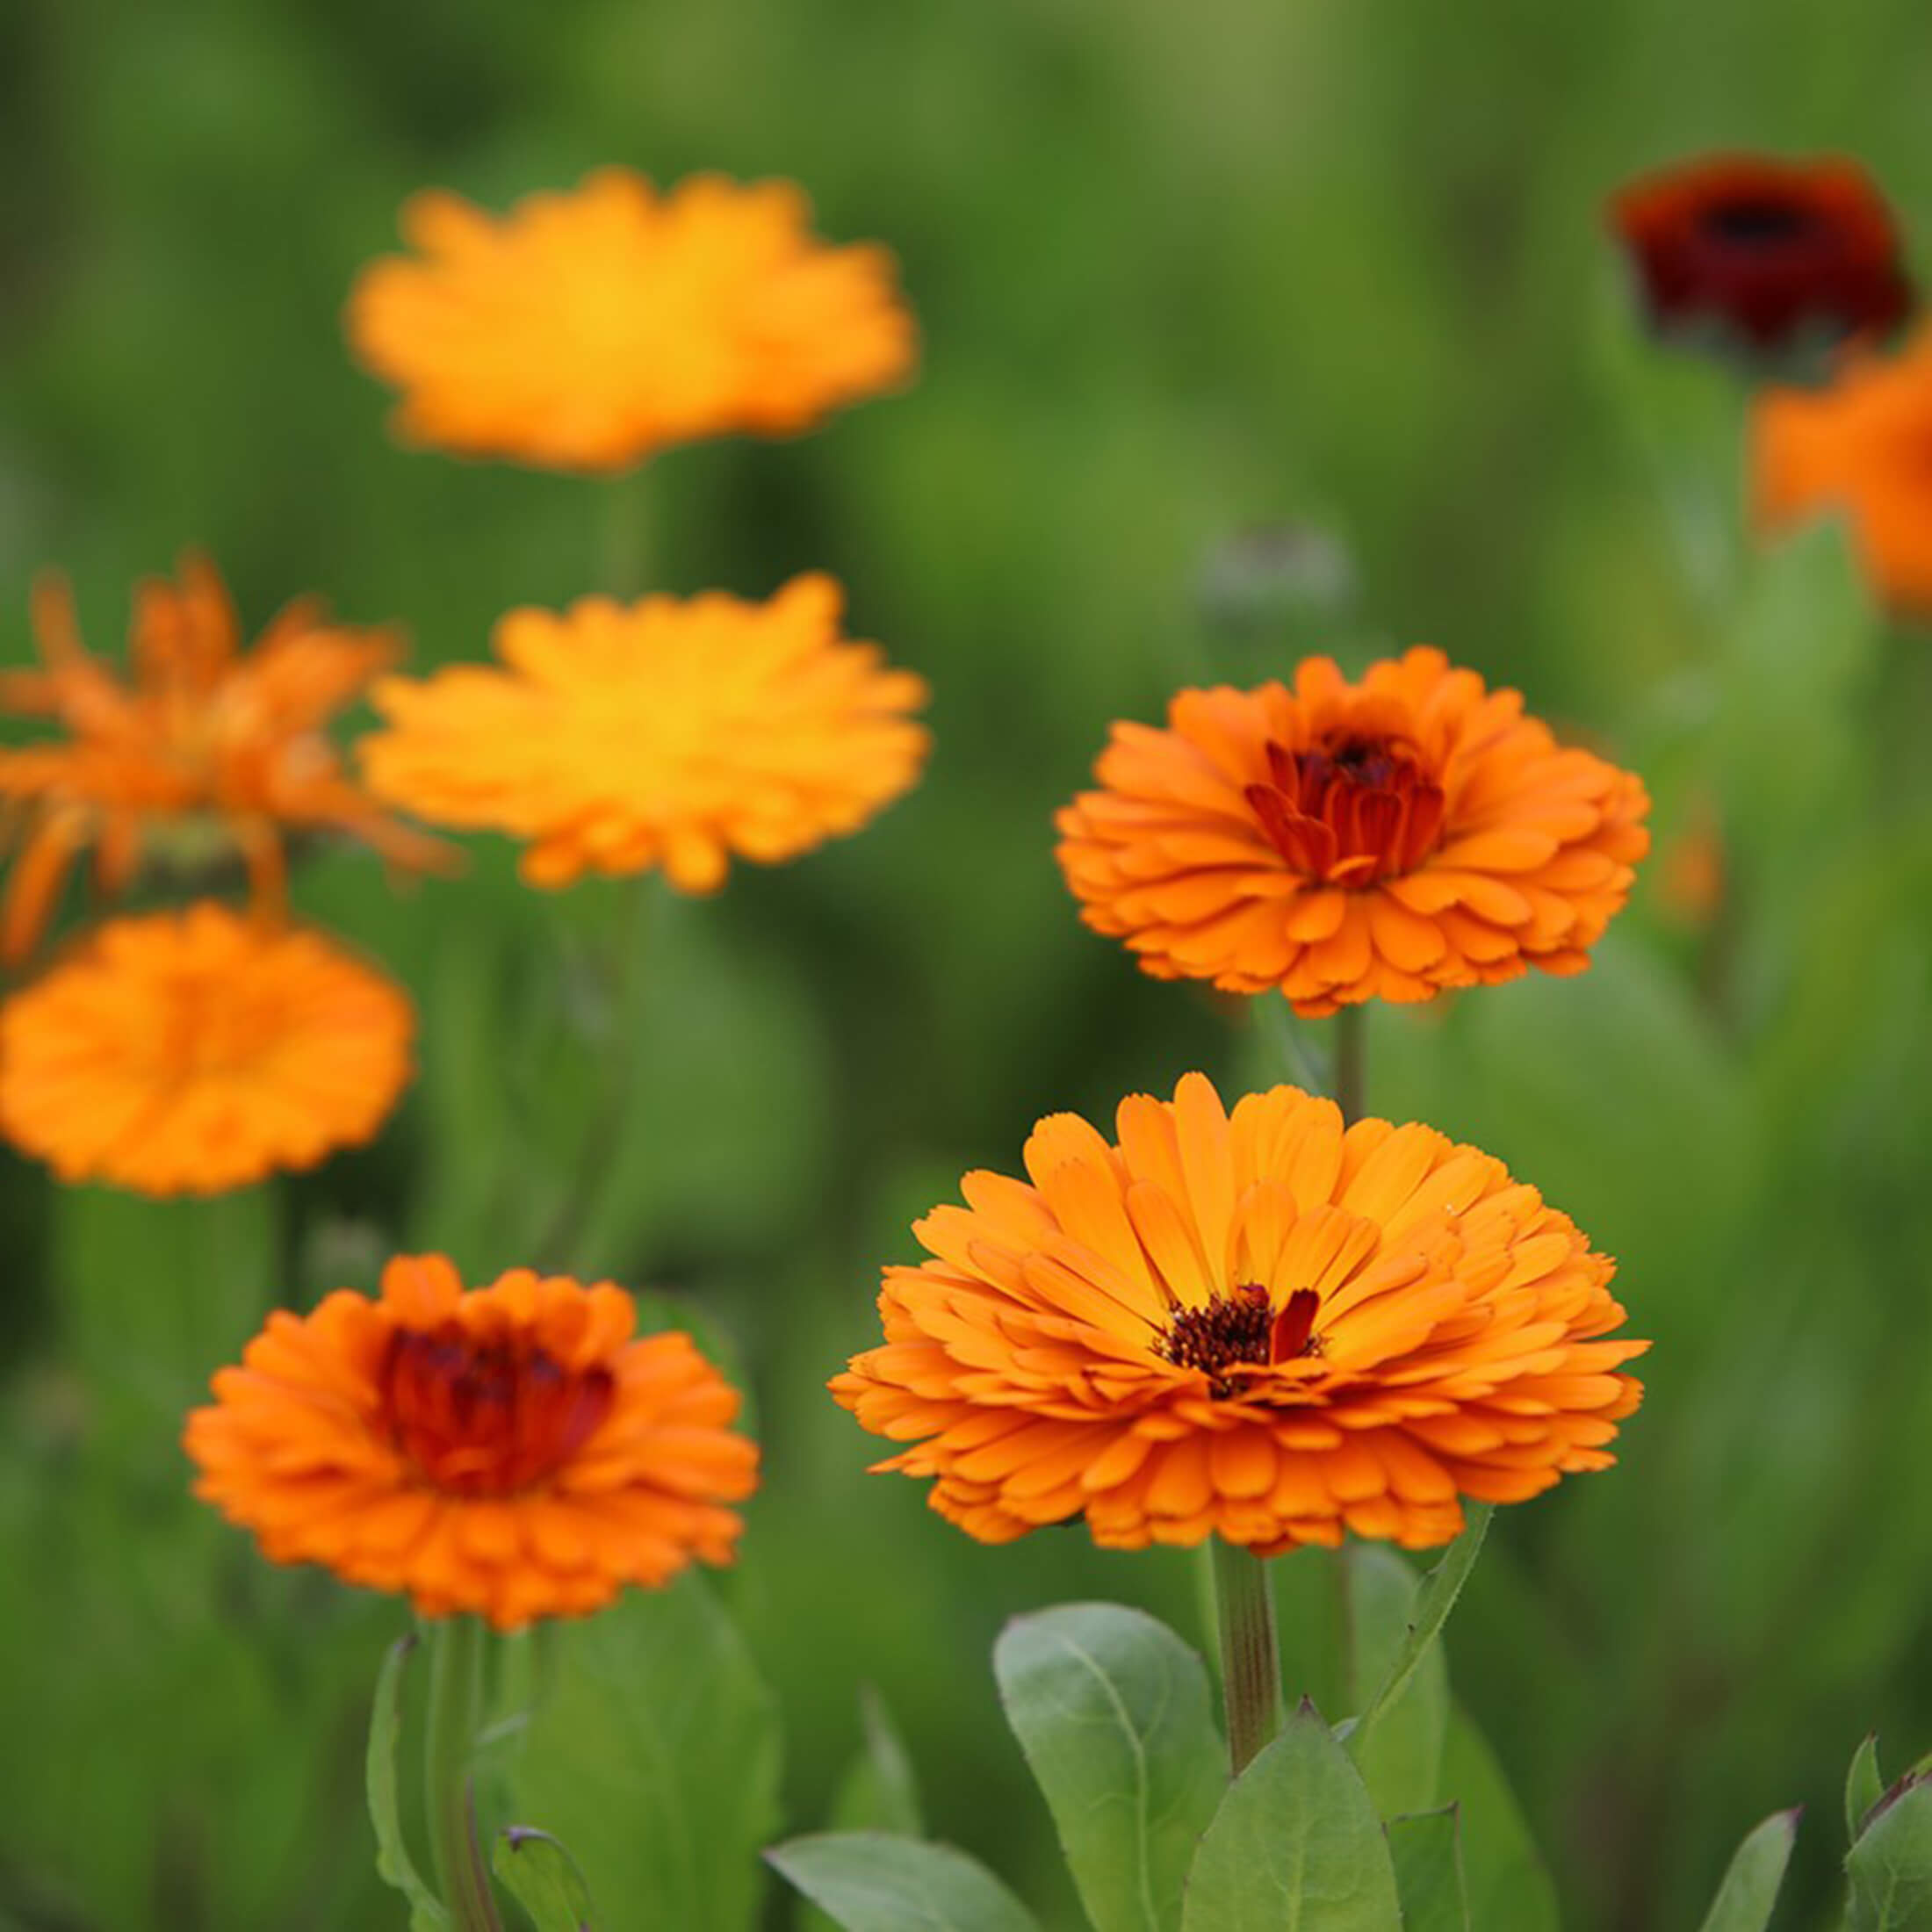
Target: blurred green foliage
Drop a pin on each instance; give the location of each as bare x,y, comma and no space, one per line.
1181,272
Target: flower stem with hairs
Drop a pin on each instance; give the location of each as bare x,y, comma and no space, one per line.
456,1699
1351,1076
1251,1667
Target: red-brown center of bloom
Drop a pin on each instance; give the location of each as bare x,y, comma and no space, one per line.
1356,806
487,1419
1241,1327
1758,220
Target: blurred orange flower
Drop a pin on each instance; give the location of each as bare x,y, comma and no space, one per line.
194,1052
1259,1327
511,1450
204,750
587,330
1862,445
1343,842
659,733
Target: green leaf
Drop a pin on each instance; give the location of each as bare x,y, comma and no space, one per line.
879,1793
1891,1864
1295,1847
654,1756
1115,1717
543,1876
1864,1786
870,1881
1427,1852
1746,1898
1434,1601
393,1861
1509,1887
1401,1758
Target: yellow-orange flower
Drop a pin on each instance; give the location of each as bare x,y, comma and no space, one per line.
584,331
1255,1326
1343,842
204,749
658,733
512,1450
194,1052
1861,446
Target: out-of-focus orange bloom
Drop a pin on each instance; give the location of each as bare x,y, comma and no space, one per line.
618,737
512,1450
1256,1326
204,749
1861,446
1341,842
1690,869
587,330
194,1052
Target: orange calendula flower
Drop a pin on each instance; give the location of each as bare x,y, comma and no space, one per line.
1256,1326
586,330
204,750
1343,842
659,733
190,1053
1863,447
513,1450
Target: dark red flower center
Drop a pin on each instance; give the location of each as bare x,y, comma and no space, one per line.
483,1419
1241,1327
1354,807
1758,220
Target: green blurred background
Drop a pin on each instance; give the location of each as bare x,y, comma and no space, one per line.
1181,273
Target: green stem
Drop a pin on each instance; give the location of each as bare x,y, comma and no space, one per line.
1250,1664
1351,1061
624,560
455,1704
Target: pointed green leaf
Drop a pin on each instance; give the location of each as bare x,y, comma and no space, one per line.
1295,1847
1427,1852
1863,1787
544,1878
1400,1757
1891,1864
1116,1720
654,1757
879,1793
1509,1887
392,1861
1746,1898
869,1881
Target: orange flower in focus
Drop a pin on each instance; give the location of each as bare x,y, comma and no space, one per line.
658,733
1343,842
204,750
190,1053
512,1450
1258,1327
586,330
1863,446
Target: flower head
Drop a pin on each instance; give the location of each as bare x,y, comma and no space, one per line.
513,1450
1343,842
1770,255
203,749
190,1053
617,738
1863,446
586,330
1255,1326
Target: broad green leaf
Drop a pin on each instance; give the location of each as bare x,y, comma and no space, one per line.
1295,1847
543,1878
1864,1786
1509,1887
1890,1863
393,1861
1427,1852
1115,1717
1748,1894
654,1757
870,1881
879,1793
1400,1757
